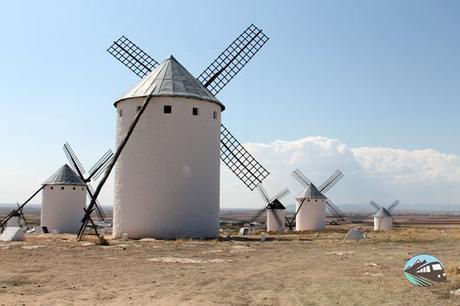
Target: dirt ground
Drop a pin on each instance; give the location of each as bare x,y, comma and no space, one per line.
287,269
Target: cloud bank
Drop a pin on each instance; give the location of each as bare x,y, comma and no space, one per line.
382,174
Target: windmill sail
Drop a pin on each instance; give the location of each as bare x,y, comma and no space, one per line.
132,56
233,59
240,161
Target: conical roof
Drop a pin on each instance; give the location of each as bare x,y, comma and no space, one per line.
276,205
64,176
170,79
382,213
311,192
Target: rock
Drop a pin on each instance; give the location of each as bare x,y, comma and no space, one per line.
354,234
32,247
12,234
455,292
148,240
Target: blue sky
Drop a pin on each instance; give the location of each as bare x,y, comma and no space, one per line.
369,73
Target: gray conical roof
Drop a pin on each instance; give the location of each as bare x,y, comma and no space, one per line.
170,79
382,213
311,192
64,176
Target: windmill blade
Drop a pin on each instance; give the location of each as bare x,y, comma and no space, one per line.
132,56
393,205
375,205
240,161
280,195
334,210
233,59
99,211
98,173
259,213
331,181
263,193
73,160
101,165
301,178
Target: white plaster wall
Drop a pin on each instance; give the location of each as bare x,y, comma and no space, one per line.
167,178
272,222
312,215
383,224
62,209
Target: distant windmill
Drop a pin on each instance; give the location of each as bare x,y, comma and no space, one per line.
140,209
93,174
276,212
14,218
383,220
311,203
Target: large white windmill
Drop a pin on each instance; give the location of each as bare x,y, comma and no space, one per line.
383,220
311,203
167,174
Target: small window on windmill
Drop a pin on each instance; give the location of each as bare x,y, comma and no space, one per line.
62,187
195,111
82,188
73,188
167,109
214,115
120,112
51,187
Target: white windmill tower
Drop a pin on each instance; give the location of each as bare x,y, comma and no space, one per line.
167,174
276,212
63,201
66,206
311,203
383,220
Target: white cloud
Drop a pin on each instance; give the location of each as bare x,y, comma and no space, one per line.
403,166
382,174
414,176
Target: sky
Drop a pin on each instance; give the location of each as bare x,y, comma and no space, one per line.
370,87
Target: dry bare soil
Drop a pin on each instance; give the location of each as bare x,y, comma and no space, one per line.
287,269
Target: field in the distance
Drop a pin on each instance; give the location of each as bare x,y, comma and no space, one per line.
287,269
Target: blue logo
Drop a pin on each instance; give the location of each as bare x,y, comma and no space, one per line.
422,270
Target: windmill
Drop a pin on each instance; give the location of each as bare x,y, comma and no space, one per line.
63,201
383,220
173,80
93,174
215,77
276,212
311,204
18,211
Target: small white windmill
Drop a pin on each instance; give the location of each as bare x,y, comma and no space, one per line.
276,212
311,203
383,220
